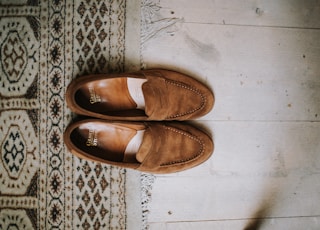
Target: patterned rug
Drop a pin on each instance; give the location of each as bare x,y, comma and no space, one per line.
44,44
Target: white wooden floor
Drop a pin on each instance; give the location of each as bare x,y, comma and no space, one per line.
262,60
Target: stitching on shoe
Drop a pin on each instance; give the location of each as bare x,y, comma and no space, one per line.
203,99
199,153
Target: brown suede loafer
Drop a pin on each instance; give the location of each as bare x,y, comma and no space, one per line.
166,147
168,95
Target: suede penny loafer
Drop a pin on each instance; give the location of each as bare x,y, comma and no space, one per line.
165,147
168,95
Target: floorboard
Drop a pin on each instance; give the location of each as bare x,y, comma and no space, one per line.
261,224
256,73
269,13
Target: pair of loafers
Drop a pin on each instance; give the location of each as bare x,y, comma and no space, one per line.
167,145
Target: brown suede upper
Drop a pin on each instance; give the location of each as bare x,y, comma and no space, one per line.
168,95
171,100
166,147
173,147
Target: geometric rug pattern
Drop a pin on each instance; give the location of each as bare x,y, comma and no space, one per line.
44,44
